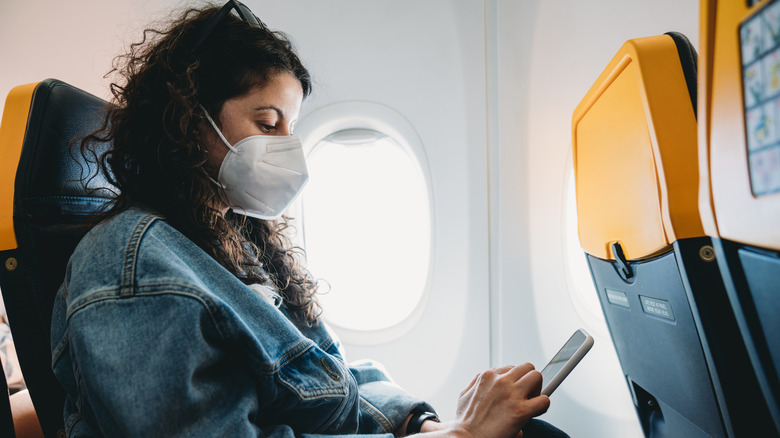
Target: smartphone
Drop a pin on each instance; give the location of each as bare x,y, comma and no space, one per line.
565,360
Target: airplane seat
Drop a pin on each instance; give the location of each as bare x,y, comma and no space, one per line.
635,153
740,160
45,209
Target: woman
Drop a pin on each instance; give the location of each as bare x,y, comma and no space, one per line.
179,316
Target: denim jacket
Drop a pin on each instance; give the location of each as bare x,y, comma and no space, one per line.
152,337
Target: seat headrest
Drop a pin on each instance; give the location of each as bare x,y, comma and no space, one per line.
43,175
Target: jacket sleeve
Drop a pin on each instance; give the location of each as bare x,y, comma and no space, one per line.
153,364
381,398
384,405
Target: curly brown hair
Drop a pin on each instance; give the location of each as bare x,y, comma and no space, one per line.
155,158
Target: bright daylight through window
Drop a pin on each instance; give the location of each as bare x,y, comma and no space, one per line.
367,228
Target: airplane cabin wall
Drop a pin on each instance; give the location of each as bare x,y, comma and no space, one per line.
489,86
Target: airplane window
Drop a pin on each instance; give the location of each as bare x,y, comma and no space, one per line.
367,228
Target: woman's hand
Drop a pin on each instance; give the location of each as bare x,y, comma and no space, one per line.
496,404
500,401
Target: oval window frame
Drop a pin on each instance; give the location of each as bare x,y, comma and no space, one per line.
324,121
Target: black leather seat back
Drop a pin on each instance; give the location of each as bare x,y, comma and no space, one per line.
54,201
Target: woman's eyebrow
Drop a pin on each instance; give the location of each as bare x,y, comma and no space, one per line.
278,110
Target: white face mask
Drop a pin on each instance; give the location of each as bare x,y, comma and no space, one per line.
262,174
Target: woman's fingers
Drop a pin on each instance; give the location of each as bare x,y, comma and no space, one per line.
520,370
532,380
500,401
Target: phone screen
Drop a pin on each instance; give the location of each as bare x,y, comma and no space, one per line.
563,356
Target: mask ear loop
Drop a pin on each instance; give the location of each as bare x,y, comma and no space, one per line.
219,133
215,182
224,140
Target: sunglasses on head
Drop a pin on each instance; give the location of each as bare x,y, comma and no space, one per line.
243,12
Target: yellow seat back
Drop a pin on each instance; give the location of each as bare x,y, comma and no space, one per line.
740,197
634,149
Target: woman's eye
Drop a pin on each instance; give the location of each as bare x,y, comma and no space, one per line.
266,128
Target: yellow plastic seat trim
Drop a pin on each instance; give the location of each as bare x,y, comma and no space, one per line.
634,140
731,209
12,131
